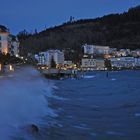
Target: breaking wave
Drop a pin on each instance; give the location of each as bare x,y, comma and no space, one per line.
23,101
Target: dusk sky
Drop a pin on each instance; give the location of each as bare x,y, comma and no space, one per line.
36,14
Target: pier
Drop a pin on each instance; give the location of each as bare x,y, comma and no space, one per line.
60,73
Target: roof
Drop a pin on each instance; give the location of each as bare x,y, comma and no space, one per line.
3,29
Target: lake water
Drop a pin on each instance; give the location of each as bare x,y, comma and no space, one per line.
92,108
97,107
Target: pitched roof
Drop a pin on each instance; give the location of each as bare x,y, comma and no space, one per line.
3,29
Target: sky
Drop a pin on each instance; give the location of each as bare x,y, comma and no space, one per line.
18,15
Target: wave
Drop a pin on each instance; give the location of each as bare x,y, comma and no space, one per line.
23,101
89,76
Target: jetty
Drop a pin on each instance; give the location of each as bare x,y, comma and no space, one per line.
59,74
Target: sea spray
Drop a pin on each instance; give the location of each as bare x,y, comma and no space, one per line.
22,101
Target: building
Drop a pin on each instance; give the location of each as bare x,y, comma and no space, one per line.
102,50
92,64
88,49
68,62
88,63
135,53
112,51
4,40
45,58
94,49
100,64
41,59
14,50
137,62
123,62
123,53
8,42
58,57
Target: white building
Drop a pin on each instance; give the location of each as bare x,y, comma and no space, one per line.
137,62
123,62
4,40
58,57
88,63
113,51
68,63
14,50
100,64
88,49
93,49
45,58
123,52
135,53
8,43
102,49
41,59
93,64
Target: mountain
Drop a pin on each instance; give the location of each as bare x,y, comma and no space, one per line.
114,30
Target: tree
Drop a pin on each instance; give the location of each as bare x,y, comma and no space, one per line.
108,64
53,64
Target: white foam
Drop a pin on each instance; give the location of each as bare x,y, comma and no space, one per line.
89,76
114,133
137,114
81,126
55,87
22,101
113,79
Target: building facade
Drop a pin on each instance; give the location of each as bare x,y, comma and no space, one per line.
45,58
94,49
58,57
137,62
8,43
102,50
122,53
121,62
14,49
88,49
92,64
4,40
135,53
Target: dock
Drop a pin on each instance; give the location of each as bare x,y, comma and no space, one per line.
60,73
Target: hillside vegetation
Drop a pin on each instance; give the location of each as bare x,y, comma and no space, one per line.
114,30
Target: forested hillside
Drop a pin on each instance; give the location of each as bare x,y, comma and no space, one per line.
115,30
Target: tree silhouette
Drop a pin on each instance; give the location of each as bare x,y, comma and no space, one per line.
108,64
53,64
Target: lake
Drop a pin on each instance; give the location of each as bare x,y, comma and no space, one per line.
95,107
